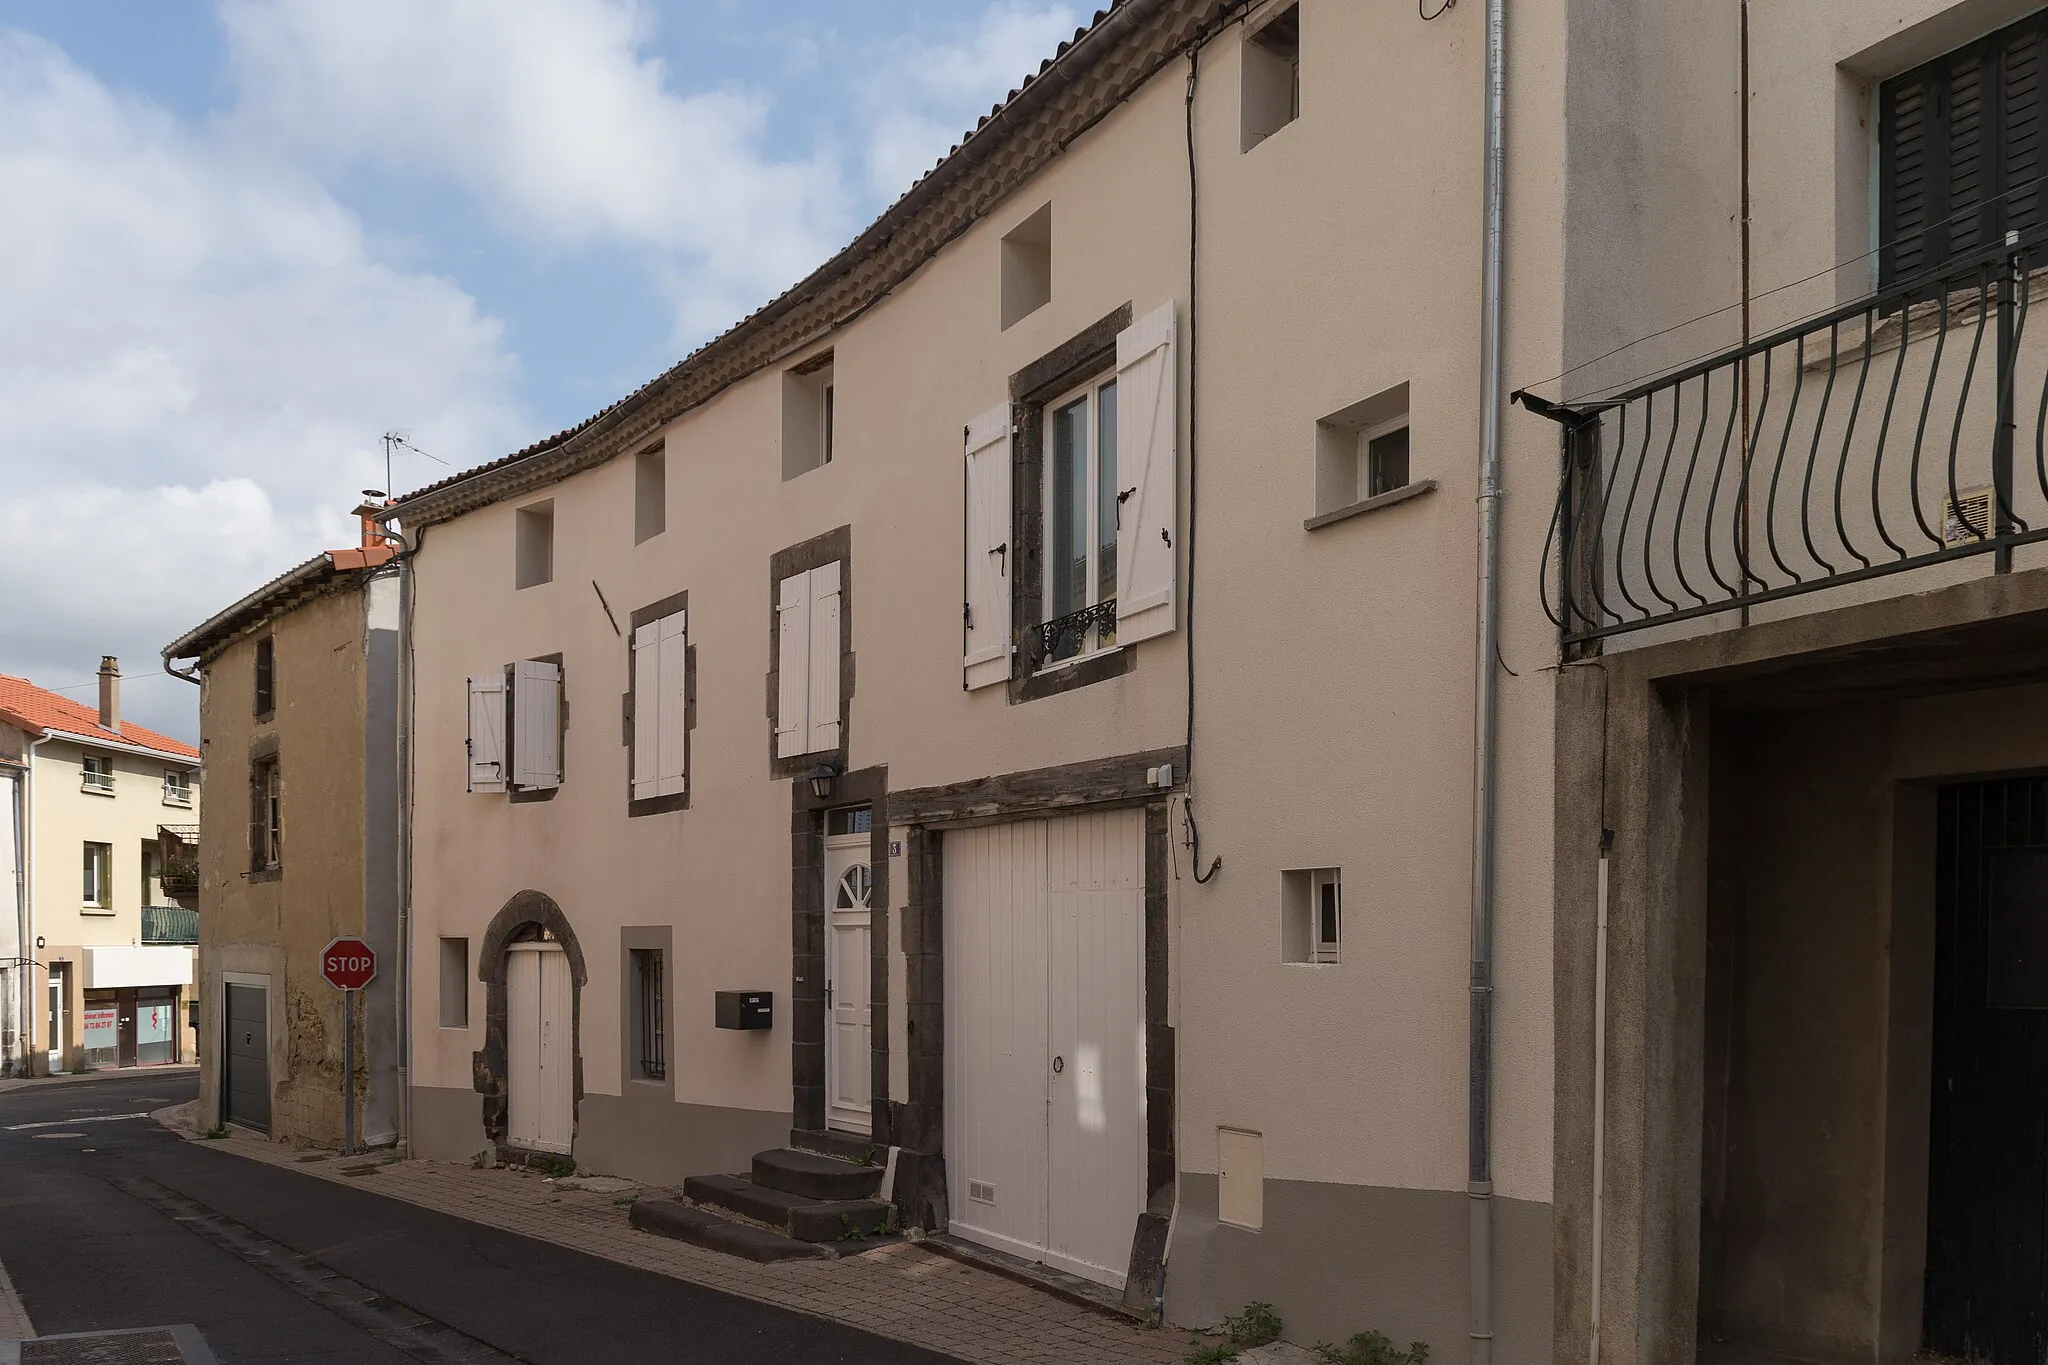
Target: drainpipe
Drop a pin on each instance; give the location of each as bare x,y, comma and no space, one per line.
25,978
408,546
27,860
1479,1078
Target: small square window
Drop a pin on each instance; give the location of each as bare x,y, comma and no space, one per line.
1362,451
1027,267
177,787
98,774
1272,77
454,983
808,410
650,494
1312,915
535,547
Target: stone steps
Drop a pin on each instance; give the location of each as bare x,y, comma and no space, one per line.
794,1203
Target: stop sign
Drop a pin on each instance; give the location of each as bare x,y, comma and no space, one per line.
349,964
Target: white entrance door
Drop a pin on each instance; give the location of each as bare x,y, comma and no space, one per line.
539,1057
59,979
849,1039
1045,1061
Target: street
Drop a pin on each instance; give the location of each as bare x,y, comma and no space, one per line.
108,1221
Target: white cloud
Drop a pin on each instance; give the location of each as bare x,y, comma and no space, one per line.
197,355
552,112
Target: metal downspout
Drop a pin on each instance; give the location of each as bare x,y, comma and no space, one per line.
1479,1164
27,859
408,547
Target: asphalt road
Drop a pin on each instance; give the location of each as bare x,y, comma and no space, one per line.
111,1222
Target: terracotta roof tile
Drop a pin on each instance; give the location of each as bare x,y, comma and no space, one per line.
37,709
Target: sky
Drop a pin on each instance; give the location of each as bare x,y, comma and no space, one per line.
242,242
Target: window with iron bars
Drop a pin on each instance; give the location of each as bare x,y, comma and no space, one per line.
650,1060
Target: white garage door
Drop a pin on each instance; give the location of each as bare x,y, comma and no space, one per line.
1045,1038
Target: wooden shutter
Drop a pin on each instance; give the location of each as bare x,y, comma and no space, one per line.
1960,152
986,577
793,631
646,709
823,706
536,725
671,706
487,733
1148,467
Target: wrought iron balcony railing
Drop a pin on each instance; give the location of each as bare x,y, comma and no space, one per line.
1876,439
1066,635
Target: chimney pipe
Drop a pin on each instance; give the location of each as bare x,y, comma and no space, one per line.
110,693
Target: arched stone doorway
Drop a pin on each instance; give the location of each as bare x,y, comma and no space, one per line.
528,916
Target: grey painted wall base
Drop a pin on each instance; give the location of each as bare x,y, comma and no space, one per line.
1339,1259
640,1136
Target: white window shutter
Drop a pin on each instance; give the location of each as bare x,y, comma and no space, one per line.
536,725
646,709
824,688
987,549
672,690
793,629
1148,468
487,733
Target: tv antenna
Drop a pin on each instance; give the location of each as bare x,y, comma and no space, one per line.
395,440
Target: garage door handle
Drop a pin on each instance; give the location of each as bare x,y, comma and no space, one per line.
1059,1064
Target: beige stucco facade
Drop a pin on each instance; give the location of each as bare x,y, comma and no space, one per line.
330,731
98,946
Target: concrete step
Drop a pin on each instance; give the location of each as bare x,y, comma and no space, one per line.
814,1176
699,1227
845,1146
809,1220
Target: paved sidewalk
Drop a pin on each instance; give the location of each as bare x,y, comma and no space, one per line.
82,1077
14,1323
903,1292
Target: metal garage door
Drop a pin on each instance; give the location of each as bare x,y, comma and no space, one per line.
247,1054
1045,1079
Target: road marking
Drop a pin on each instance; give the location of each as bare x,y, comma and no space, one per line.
59,1123
47,1137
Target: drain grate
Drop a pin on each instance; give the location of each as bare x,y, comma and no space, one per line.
142,1346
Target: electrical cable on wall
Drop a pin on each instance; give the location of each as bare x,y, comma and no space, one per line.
1187,803
1426,15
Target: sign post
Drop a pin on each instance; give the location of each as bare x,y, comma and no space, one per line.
348,964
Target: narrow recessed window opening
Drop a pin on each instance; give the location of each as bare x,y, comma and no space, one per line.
650,1061
454,983
1362,451
266,676
535,544
1272,77
1311,915
650,494
1027,267
1082,510
99,867
266,824
809,406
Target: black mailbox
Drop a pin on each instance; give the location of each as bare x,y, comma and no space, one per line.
746,1009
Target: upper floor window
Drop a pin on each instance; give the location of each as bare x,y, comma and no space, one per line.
177,787
1027,267
650,494
809,407
99,876
1081,515
659,716
99,774
266,677
516,724
1960,152
1272,77
808,644
266,816
534,544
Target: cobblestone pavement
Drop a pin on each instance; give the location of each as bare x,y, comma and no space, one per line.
903,1292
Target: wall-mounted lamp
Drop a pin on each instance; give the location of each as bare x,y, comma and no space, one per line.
821,780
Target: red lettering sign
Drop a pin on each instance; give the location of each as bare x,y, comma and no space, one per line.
348,964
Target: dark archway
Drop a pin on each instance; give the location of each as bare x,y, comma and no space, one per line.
526,915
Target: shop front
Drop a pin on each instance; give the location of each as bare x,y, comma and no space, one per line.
132,1010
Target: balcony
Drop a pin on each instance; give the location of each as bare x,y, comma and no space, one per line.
1882,438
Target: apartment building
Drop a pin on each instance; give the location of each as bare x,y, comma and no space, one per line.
1007,707
300,701
95,961
1799,590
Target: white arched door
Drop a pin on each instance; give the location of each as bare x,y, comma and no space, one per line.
540,1059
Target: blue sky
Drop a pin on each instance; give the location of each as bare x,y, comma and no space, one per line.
244,240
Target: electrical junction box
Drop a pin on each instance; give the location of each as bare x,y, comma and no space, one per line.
746,1009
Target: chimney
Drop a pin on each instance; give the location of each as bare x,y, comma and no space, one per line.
110,693
373,534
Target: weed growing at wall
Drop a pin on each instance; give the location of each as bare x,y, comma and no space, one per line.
1371,1348
1254,1325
